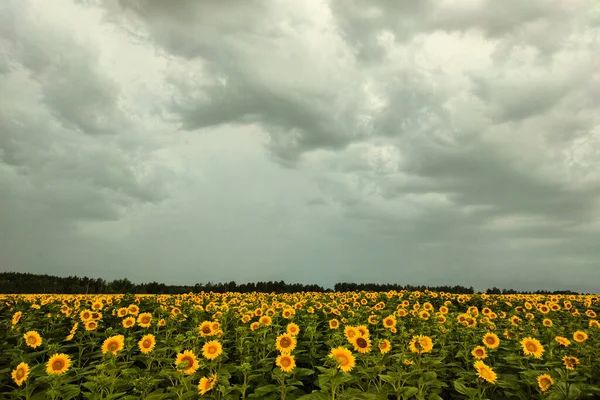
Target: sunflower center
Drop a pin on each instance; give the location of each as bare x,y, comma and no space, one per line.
212,350
145,320
361,342
58,365
31,340
147,343
187,361
285,342
285,362
20,373
342,360
113,346
206,330
531,347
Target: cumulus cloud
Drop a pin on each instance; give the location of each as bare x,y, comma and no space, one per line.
418,142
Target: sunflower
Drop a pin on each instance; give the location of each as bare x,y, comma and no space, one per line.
292,329
20,373
389,322
421,344
187,362
424,315
384,346
206,384
491,340
544,382
33,339
285,343
372,320
133,310
113,344
532,346
58,364
91,325
206,329
580,336
147,343
479,352
344,358
144,320
254,326
570,362
485,372
334,324
350,332
85,315
286,362
547,322
128,322
211,350
122,312
162,322
265,320
594,323
16,317
362,344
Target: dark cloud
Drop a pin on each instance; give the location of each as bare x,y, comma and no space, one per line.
420,142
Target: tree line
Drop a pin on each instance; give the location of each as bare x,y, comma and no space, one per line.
26,283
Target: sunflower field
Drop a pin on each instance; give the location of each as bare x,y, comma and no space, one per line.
351,345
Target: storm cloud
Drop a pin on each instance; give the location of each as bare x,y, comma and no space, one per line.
430,142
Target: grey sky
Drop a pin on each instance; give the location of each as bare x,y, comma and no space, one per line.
429,142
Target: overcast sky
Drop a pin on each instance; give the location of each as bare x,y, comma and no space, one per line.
418,142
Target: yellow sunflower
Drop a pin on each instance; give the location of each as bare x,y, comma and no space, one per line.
286,362
389,322
491,340
384,346
206,329
421,344
547,322
292,329
128,322
563,340
147,343
187,362
254,326
58,364
580,336
20,374
285,343
344,358
144,320
33,339
206,384
544,382
485,372
334,324
570,362
113,344
532,346
91,325
362,344
85,315
16,317
350,332
122,312
265,320
211,350
479,352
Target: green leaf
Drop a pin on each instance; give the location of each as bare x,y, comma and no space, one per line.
429,376
462,389
264,390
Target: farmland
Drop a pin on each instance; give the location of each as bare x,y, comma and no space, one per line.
352,345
